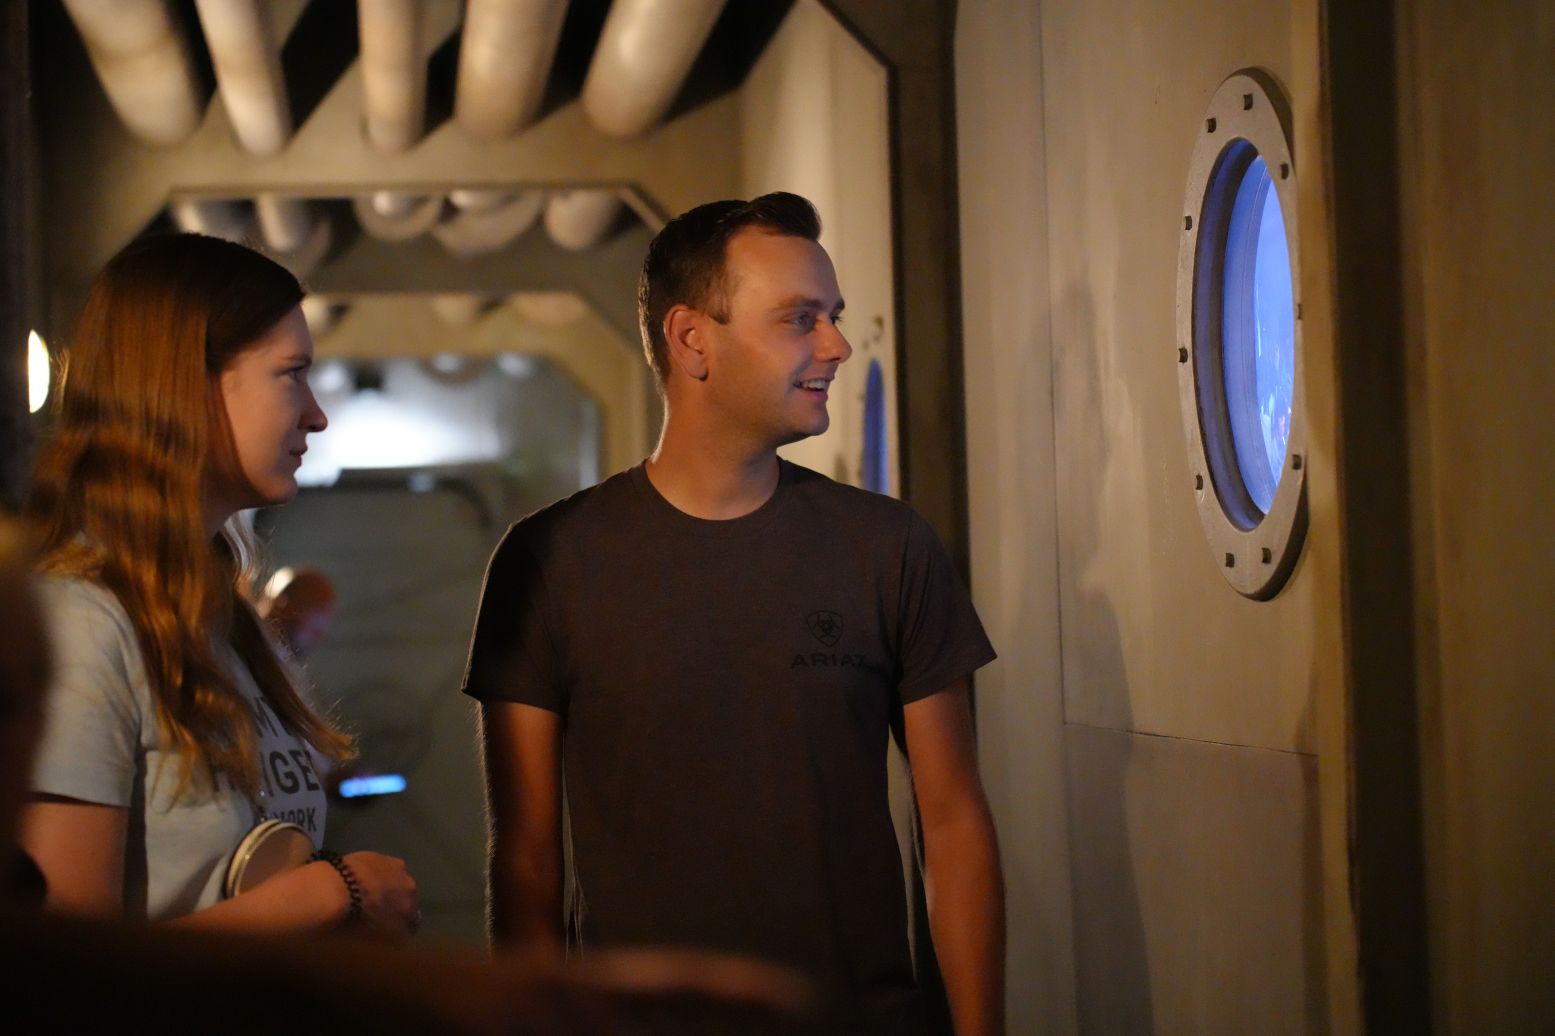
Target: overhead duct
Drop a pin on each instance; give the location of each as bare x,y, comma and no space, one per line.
548,308
215,217
396,215
141,56
579,220
394,72
644,54
396,204
322,314
295,238
284,222
479,199
470,234
505,56
460,309
247,60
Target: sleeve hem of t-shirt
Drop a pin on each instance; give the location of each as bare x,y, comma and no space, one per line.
523,694
82,785
933,683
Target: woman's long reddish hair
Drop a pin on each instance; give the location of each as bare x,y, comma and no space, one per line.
118,495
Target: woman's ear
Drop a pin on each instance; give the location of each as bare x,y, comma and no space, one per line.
685,334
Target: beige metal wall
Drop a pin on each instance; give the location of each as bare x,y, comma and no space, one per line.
813,120
1478,144
1010,472
1143,713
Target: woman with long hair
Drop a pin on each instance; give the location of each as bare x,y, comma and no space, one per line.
172,728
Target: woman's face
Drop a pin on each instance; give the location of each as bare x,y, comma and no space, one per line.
271,410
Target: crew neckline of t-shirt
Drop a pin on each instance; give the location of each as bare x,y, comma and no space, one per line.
718,527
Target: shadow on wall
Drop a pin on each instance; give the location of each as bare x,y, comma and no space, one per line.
1112,968
1314,923
1209,837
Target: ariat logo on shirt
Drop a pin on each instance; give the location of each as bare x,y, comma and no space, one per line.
820,659
825,626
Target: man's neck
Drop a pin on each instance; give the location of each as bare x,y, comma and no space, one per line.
712,476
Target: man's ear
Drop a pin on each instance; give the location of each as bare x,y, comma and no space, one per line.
685,333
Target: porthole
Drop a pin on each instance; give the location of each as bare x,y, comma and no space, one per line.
1238,349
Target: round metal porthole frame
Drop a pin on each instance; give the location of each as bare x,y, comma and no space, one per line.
1254,550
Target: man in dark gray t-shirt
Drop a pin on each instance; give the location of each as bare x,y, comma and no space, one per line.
713,646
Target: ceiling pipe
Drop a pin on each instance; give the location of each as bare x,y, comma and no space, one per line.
215,217
394,72
141,56
322,314
548,308
295,238
579,220
479,199
505,56
643,56
247,60
460,309
470,234
285,223
396,204
396,215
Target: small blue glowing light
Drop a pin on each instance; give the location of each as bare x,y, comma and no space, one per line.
876,474
376,784
1258,333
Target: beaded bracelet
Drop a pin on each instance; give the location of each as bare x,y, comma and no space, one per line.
353,888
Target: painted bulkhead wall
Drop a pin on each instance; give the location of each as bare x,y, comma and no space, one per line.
1010,473
1477,84
814,121
1149,736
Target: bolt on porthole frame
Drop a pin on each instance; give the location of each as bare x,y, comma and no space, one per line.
1254,547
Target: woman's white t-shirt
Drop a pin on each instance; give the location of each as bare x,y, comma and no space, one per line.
102,744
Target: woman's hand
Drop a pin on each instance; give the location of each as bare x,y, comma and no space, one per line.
389,903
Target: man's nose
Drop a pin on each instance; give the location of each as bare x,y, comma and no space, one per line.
834,344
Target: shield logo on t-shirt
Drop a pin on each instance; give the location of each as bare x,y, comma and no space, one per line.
827,626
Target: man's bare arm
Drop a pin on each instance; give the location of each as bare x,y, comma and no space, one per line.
962,877
523,795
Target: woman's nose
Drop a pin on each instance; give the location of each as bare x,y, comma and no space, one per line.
314,419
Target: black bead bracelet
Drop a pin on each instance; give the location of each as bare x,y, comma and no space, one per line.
353,887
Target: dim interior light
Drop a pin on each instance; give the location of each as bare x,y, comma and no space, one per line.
38,372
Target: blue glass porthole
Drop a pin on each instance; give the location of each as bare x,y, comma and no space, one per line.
1258,333
874,470
1238,346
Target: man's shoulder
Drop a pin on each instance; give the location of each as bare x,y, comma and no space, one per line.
589,511
851,502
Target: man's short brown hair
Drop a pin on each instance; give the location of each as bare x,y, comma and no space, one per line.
685,262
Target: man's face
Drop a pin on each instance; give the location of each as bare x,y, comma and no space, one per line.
770,368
